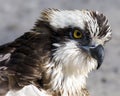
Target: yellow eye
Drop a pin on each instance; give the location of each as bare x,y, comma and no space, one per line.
77,34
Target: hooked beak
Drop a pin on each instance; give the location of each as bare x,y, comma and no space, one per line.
96,52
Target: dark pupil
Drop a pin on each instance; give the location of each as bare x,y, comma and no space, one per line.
78,34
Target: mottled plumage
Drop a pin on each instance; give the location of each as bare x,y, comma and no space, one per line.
55,56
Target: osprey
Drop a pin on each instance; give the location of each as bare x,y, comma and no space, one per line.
55,57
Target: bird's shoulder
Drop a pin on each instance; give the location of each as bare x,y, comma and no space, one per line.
28,44
21,60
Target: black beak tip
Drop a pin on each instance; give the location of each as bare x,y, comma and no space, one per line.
99,64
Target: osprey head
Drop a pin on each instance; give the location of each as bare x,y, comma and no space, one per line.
77,39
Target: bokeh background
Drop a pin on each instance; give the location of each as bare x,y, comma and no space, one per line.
18,16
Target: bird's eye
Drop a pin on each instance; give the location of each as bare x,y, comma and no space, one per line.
77,34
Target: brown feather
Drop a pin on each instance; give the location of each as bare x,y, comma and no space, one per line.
25,64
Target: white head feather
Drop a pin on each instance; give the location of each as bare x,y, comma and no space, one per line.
70,66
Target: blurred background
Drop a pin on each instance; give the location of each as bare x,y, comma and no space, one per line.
18,16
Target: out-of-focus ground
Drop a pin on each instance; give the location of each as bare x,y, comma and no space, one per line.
18,16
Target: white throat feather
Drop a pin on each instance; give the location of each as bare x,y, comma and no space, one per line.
69,69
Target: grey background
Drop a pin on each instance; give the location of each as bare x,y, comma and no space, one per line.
18,16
